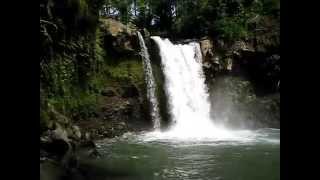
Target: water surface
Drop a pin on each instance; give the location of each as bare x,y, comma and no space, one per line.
148,156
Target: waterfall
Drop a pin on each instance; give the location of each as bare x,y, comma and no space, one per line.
151,86
186,90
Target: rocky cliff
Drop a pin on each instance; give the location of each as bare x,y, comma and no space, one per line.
120,106
244,81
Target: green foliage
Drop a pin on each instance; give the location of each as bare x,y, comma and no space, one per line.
74,68
127,70
227,19
124,8
71,78
73,64
71,57
78,106
232,28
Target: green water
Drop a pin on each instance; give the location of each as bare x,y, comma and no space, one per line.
132,157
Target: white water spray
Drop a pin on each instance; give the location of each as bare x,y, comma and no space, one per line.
151,86
187,91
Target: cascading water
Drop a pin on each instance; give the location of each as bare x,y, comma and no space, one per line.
186,90
151,86
194,147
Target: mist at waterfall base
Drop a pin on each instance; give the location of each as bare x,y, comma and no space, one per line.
189,98
195,147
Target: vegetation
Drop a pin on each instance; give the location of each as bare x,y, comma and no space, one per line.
71,57
228,19
74,66
91,77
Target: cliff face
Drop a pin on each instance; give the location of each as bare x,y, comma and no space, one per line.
117,104
257,57
122,105
244,80
236,104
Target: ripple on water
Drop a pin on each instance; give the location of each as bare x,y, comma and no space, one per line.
154,157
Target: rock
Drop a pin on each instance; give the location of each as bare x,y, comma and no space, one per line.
57,147
50,124
274,58
221,43
130,91
206,46
116,28
105,133
146,32
60,133
216,60
108,93
206,65
121,38
120,127
70,133
241,46
229,64
76,132
122,123
127,134
87,136
55,142
93,153
241,106
45,138
61,119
